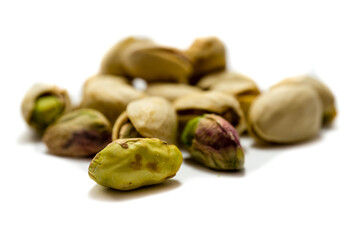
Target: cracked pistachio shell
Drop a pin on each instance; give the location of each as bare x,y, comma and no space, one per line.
152,117
208,54
171,91
156,63
130,163
286,114
79,133
214,142
109,95
223,104
113,61
243,88
39,115
326,96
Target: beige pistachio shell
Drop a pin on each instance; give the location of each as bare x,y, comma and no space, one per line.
38,90
113,61
109,96
207,82
242,87
326,96
207,54
152,117
286,114
223,104
156,63
171,91
106,77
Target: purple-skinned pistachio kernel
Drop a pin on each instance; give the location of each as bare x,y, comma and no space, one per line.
80,133
213,142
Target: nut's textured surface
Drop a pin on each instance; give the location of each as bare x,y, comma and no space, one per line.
286,114
80,133
43,104
214,143
151,117
131,163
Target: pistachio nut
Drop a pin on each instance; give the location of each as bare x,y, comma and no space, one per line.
130,163
109,95
286,114
243,88
170,91
213,142
223,104
43,104
208,55
113,61
79,133
326,96
150,117
155,63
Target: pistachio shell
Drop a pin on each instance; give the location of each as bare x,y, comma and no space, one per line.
37,91
156,63
127,164
243,88
207,82
220,103
152,117
109,95
286,114
79,133
113,60
208,55
326,96
170,91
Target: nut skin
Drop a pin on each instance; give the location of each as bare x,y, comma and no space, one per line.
214,142
80,133
43,104
130,163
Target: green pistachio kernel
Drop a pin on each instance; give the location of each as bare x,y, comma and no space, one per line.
131,163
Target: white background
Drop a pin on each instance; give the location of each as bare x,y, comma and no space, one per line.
306,191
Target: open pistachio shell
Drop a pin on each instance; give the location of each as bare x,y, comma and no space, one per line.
113,61
243,88
55,107
225,105
286,114
208,81
326,96
130,163
170,91
156,63
109,95
208,55
79,133
152,117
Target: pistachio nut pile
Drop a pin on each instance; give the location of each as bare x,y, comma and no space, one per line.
191,102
